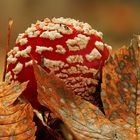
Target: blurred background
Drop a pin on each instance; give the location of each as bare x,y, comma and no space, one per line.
117,19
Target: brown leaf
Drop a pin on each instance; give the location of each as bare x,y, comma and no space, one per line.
121,89
83,119
16,115
120,96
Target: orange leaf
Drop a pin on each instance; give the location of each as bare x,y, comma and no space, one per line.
16,115
83,119
120,96
121,88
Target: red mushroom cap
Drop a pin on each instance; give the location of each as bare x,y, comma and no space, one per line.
71,49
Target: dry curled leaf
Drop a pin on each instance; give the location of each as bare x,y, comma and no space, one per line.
83,119
120,96
121,88
16,115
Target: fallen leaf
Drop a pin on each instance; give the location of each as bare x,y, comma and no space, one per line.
16,115
121,88
86,121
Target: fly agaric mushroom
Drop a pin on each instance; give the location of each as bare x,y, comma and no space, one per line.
71,49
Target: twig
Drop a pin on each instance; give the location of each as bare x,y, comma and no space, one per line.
10,23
